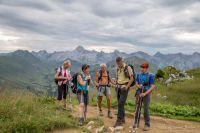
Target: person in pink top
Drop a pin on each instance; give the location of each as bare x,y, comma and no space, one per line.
63,76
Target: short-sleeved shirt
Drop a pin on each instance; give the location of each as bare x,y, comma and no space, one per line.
80,87
142,78
121,77
64,73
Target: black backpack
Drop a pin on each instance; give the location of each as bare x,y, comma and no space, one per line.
55,80
100,77
74,81
127,73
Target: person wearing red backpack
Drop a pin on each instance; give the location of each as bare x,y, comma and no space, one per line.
102,82
63,76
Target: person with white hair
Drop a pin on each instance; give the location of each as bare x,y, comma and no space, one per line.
102,82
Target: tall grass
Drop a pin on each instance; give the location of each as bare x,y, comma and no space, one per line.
180,93
25,112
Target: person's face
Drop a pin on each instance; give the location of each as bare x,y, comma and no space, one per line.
120,64
103,68
65,65
143,69
87,71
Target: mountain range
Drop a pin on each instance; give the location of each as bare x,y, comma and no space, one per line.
179,60
35,70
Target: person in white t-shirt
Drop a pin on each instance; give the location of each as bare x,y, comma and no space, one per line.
63,76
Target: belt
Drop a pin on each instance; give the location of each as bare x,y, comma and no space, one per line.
122,84
103,85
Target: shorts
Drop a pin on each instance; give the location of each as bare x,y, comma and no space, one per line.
62,91
83,97
104,90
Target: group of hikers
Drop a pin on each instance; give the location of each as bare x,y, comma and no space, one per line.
124,80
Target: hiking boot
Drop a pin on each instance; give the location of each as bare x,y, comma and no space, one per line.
81,120
100,113
146,128
118,123
110,114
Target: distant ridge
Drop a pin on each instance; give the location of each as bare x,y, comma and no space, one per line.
80,54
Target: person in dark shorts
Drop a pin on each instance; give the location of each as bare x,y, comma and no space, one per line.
83,84
63,76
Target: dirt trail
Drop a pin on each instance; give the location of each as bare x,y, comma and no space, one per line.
158,124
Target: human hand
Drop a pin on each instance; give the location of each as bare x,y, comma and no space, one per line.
142,94
140,86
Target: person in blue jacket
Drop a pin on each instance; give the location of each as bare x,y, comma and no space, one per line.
145,80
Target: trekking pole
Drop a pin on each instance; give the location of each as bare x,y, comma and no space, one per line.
138,109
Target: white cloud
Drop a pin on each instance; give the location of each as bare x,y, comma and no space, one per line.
188,37
126,25
4,37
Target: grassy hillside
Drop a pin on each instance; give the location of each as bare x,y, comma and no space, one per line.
24,112
185,92
21,68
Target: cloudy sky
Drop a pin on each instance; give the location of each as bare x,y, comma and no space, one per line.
168,26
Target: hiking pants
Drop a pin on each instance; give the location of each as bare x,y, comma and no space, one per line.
146,103
121,98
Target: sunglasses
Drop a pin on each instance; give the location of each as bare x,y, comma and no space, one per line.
143,67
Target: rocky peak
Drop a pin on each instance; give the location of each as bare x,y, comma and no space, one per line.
80,48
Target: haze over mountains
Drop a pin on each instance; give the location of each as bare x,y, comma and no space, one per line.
80,54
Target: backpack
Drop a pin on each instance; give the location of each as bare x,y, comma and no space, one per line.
74,81
127,73
132,67
101,75
60,73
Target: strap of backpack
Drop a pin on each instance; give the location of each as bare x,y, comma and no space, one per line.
148,78
60,73
108,77
101,75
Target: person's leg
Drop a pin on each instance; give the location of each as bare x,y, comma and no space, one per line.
81,108
64,93
118,121
136,112
59,98
109,106
122,101
146,102
86,102
108,93
100,97
108,102
99,102
119,104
